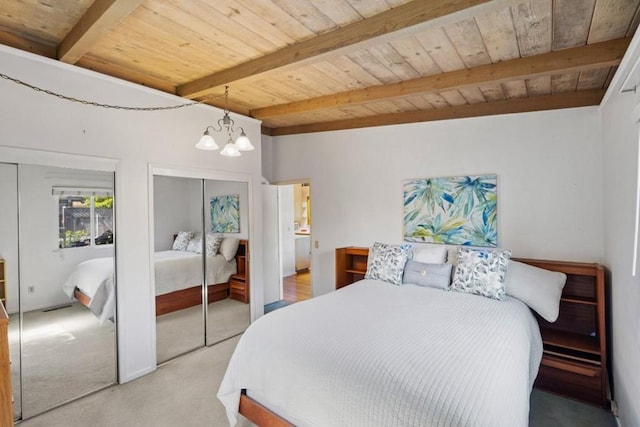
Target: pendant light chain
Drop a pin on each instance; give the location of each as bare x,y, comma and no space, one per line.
98,104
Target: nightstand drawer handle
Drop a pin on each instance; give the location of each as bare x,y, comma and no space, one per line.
571,368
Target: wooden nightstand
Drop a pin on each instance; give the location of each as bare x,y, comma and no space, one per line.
239,282
574,363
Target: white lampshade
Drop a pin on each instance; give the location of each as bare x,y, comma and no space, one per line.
207,142
243,143
230,150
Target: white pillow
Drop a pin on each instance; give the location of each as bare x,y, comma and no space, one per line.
229,247
195,244
540,289
436,254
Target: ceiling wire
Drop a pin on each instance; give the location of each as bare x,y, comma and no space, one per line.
98,104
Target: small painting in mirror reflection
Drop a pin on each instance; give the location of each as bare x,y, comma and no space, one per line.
225,213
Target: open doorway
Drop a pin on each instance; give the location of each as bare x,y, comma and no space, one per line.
294,245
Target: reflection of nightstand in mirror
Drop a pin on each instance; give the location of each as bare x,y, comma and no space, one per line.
239,282
3,283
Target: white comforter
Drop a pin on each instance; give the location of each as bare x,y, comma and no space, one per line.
375,354
177,270
174,270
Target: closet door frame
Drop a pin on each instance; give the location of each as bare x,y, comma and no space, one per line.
203,174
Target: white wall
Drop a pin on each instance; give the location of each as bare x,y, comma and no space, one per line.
134,140
620,158
177,206
549,180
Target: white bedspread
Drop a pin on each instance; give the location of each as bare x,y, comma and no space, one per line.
94,278
177,270
375,354
174,270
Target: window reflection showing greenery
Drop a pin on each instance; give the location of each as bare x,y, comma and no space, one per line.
85,220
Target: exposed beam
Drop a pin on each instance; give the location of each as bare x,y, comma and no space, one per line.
516,105
390,21
599,55
12,40
99,19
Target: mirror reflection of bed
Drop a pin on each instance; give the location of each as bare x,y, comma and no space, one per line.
182,216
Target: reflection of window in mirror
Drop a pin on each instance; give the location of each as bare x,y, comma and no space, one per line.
85,217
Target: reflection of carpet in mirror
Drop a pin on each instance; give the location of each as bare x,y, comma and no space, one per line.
66,353
182,331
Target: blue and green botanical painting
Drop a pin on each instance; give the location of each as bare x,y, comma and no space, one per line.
225,214
459,210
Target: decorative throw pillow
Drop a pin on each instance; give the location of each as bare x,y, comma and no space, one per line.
213,243
229,247
182,240
386,262
540,289
434,254
429,275
195,244
481,272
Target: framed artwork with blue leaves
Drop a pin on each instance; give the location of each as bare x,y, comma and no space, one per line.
225,214
461,210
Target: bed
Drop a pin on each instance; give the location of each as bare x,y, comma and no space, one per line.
176,272
373,353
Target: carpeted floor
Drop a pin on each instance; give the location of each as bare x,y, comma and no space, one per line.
66,353
182,331
182,393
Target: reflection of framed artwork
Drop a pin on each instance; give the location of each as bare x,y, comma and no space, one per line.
225,214
459,210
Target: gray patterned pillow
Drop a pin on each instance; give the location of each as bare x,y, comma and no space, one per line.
213,243
386,262
481,272
182,241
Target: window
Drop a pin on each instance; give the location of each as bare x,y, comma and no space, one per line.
85,217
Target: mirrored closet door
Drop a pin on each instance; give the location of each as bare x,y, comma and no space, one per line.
226,215
63,282
201,231
178,265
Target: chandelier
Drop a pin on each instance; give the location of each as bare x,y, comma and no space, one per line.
226,125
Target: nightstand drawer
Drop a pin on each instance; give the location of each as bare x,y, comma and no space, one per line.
577,380
238,290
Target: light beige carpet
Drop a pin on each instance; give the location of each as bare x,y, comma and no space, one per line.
65,353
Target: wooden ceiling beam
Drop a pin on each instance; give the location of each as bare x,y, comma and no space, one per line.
598,55
516,105
391,21
21,43
99,19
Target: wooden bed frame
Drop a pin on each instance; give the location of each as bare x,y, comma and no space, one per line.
177,300
559,373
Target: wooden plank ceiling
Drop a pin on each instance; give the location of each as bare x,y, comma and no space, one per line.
317,65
